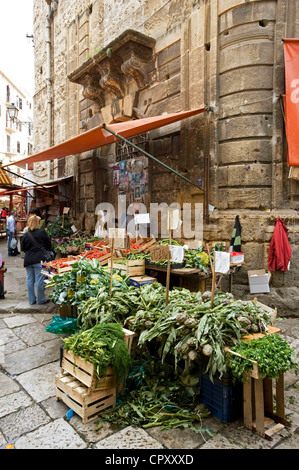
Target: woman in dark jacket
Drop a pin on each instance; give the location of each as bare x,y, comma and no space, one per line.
32,260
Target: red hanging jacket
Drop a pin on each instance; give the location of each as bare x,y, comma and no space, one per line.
280,250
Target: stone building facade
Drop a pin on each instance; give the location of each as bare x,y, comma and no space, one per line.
108,61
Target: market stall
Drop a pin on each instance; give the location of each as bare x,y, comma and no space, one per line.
189,351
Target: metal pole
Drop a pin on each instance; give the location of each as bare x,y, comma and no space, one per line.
36,185
150,156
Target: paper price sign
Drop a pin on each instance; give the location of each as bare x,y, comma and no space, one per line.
66,210
159,253
141,219
119,236
173,221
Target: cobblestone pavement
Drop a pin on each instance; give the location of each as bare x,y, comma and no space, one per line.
32,418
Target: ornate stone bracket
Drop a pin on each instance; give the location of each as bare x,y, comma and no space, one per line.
129,56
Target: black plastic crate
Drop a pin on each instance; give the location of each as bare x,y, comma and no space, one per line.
223,401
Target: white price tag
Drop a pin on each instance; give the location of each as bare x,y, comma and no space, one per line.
222,262
177,253
141,219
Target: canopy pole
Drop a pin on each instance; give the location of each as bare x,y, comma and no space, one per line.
151,156
37,185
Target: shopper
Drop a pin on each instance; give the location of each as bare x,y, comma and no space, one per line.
31,244
11,229
3,213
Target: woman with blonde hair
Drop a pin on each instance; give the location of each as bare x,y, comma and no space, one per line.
31,244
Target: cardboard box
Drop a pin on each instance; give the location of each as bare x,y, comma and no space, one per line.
259,281
141,280
236,257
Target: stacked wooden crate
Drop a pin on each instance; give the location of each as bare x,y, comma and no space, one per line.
79,388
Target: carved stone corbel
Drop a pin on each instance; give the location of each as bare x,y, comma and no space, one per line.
92,91
111,78
136,67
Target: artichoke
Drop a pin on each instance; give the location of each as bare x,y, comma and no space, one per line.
192,355
207,350
191,323
182,317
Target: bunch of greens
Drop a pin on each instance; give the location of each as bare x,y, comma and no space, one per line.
103,346
198,259
273,354
104,307
82,282
156,396
56,230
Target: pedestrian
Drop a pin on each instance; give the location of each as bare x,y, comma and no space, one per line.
31,244
11,229
3,213
2,291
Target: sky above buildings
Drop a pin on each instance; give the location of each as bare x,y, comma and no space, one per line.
16,50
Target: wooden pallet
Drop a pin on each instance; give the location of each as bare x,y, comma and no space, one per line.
77,397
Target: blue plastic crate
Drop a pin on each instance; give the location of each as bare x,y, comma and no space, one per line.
223,401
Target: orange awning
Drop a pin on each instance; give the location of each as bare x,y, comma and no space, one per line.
291,51
4,178
98,136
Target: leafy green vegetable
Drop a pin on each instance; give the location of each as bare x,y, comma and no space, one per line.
273,354
103,346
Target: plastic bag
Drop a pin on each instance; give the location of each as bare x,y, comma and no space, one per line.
62,325
13,243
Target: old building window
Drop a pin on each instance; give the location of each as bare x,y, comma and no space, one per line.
7,94
18,147
8,143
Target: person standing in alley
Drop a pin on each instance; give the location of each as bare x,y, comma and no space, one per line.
11,229
31,244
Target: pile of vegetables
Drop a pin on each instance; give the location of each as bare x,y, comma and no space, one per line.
273,354
156,396
103,346
82,282
189,328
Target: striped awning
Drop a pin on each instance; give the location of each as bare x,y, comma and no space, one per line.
4,178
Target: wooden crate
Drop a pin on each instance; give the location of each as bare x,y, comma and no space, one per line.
133,267
258,403
84,370
76,395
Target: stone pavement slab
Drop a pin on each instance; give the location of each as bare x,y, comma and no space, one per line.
18,320
7,385
129,438
14,401
35,356
56,435
23,421
33,334
39,383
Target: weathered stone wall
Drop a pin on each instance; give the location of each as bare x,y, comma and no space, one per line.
227,54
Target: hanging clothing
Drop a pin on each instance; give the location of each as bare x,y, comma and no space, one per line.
280,250
235,243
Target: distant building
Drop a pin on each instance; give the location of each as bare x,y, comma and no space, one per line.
16,138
